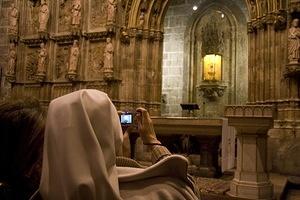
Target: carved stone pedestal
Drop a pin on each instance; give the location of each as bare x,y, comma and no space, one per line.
251,179
292,70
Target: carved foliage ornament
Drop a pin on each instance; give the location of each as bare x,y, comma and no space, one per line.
212,38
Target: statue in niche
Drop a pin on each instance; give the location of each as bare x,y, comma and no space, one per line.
12,56
294,42
108,55
111,10
155,12
13,19
76,13
253,8
142,20
74,57
43,16
41,68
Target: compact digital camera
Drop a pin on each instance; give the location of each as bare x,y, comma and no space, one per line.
126,118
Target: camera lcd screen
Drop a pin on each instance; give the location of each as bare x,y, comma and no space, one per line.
126,119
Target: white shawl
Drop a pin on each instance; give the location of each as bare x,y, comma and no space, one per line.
83,135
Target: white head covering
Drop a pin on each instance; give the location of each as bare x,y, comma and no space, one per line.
83,135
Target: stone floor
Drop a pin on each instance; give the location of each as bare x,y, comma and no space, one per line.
215,189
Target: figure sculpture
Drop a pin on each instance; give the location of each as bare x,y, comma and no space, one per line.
12,59
13,19
294,42
111,10
41,68
43,16
76,12
108,55
142,20
74,57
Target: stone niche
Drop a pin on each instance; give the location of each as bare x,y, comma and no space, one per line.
214,28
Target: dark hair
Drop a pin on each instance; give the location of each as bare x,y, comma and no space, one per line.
22,124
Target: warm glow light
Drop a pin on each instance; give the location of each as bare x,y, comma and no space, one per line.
195,7
222,15
212,67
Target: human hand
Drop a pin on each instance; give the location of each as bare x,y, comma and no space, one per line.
145,127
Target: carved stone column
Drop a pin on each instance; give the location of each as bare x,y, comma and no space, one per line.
251,179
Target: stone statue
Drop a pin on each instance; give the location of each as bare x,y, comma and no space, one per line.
111,10
76,12
294,42
41,68
12,56
108,55
142,20
43,16
13,19
74,57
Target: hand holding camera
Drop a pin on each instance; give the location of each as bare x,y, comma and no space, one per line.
144,125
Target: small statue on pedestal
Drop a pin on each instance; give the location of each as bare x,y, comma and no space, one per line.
108,59
76,13
12,57
142,20
73,61
111,11
294,42
43,16
41,68
13,20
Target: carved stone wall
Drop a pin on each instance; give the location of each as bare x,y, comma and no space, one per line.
268,79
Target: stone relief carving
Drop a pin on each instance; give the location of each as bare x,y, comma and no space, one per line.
43,16
111,11
212,37
76,13
65,17
62,61
95,61
41,67
33,13
294,42
98,13
12,57
13,19
73,60
31,63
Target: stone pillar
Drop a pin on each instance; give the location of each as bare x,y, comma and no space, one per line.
251,179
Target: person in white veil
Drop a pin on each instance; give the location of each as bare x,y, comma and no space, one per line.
83,137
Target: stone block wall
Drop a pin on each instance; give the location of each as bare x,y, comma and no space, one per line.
175,25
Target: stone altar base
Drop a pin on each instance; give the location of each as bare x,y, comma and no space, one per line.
251,178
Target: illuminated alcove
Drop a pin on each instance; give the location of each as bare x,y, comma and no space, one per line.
193,31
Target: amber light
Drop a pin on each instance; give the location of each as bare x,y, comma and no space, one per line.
212,67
